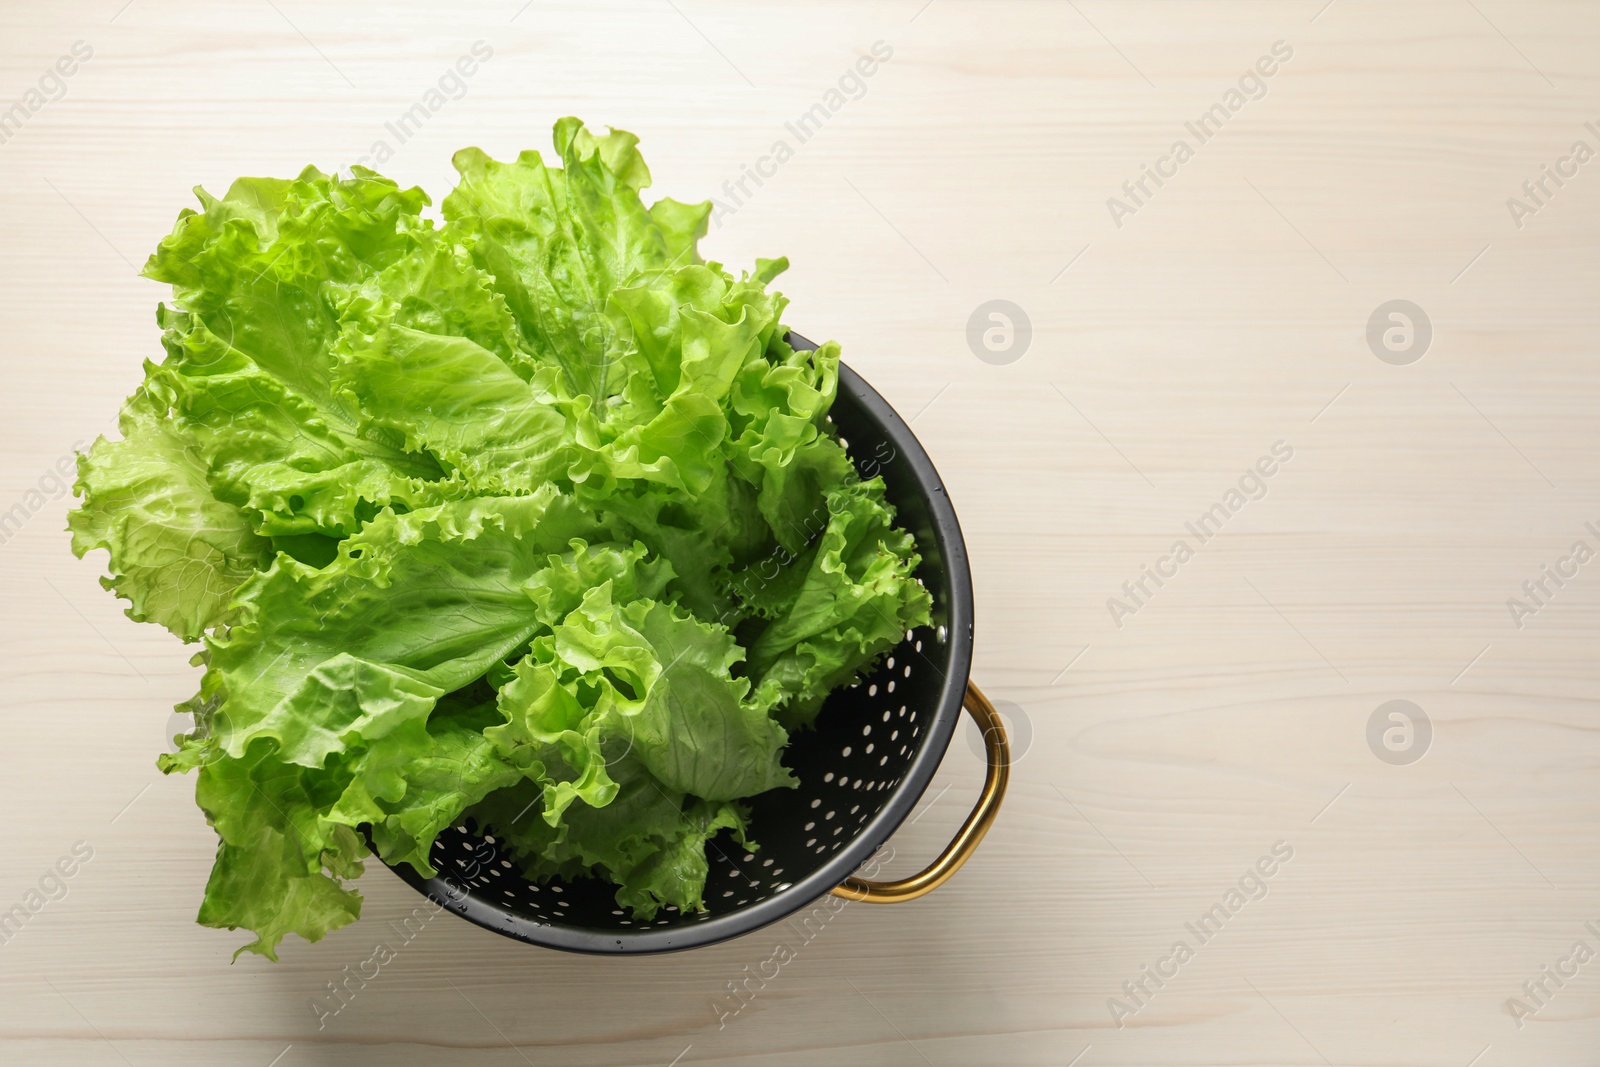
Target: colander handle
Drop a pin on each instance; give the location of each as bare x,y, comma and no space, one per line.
971,832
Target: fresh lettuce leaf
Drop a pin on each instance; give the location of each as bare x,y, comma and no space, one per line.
177,552
858,598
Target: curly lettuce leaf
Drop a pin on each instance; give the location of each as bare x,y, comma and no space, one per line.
269,874
414,606
177,553
858,597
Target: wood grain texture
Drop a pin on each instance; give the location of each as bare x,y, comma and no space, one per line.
1167,754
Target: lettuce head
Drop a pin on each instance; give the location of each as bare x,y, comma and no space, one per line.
531,515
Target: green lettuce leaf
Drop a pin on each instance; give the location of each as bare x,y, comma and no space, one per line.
269,875
177,553
857,599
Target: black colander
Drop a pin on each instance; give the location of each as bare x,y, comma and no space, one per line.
862,768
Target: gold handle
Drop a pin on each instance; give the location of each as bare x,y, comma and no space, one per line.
971,832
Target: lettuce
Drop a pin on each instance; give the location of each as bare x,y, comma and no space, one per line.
530,516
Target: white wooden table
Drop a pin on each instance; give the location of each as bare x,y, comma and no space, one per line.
1167,744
